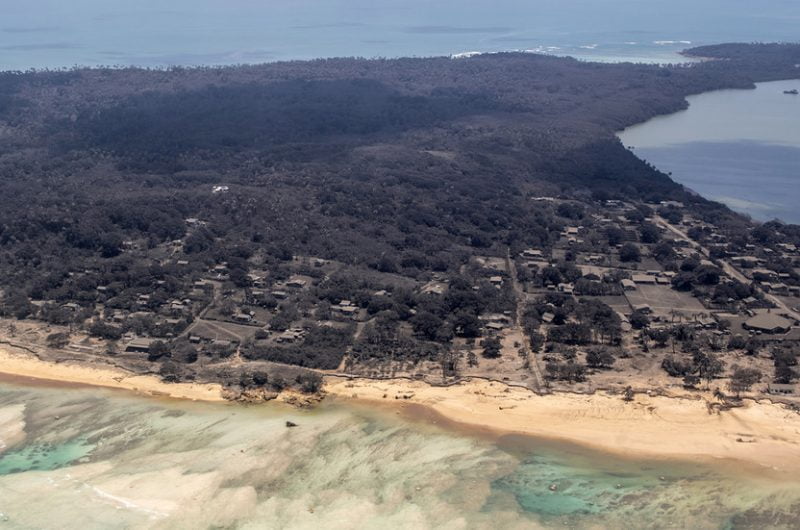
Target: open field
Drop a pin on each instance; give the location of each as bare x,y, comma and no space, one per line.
663,300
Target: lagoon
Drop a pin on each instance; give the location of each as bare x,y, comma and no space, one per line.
738,147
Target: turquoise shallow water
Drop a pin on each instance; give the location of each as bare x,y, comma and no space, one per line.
96,459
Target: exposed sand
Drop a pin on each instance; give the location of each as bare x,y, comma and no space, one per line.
759,433
25,365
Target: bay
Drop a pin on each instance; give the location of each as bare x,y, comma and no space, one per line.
738,147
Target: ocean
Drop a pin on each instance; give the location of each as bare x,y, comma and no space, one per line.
738,147
55,33
94,458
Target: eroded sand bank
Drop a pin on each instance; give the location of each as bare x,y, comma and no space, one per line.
25,365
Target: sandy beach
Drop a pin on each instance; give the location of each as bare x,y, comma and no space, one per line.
27,366
758,433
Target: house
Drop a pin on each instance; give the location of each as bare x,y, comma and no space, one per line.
290,336
646,279
496,280
139,345
256,280
746,261
532,253
296,283
242,317
768,323
643,308
345,307
628,285
280,295
779,389
566,288
548,317
495,327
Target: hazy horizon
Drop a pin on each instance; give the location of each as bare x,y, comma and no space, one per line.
50,33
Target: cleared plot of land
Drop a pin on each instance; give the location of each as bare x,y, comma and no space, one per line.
663,300
617,303
213,330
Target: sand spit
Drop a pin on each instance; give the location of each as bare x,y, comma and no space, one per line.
758,433
27,366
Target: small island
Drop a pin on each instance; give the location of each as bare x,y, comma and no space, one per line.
792,92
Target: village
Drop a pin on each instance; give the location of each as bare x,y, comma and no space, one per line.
628,296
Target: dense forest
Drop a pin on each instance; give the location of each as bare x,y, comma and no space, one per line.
405,166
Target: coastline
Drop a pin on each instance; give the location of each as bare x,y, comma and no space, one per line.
761,434
29,367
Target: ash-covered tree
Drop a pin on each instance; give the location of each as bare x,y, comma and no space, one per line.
630,253
491,348
743,379
600,358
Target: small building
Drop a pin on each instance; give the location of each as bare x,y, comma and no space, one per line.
780,389
296,283
347,310
532,253
643,308
242,317
139,345
768,323
495,327
548,317
645,279
628,285
566,288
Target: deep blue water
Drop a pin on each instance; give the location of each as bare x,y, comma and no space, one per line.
57,33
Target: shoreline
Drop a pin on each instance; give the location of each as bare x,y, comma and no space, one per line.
760,434
27,366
